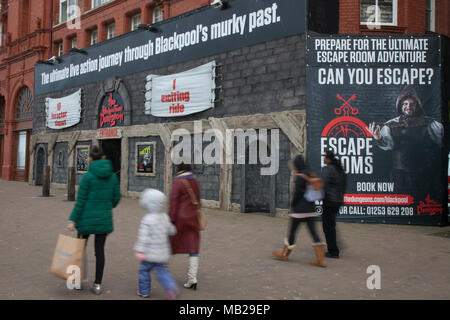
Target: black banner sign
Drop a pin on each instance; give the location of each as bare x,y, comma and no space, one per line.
375,101
204,32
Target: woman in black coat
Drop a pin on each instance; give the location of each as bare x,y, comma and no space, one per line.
334,179
301,210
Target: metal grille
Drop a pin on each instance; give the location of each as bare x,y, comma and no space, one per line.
24,105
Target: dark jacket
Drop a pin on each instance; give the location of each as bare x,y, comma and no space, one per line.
183,214
98,193
299,203
334,186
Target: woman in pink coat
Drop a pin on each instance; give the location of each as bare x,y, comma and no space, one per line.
184,215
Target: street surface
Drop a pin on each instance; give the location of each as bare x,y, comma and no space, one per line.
235,256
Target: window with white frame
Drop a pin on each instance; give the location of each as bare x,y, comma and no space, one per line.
73,43
98,3
135,21
378,12
68,9
157,14
21,150
430,15
60,48
94,36
110,30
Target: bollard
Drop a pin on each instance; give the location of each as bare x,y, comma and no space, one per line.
71,184
46,182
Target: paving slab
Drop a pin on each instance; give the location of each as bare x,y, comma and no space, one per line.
235,256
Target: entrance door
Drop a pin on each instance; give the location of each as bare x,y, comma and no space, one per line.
22,155
113,150
257,187
40,163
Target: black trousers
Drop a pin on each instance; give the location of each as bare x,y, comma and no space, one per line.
99,245
329,228
295,222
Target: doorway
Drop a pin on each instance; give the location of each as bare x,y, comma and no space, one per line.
258,191
40,163
113,151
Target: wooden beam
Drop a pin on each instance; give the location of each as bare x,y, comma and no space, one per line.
291,128
226,168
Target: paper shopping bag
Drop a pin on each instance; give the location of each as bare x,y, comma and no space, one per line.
68,252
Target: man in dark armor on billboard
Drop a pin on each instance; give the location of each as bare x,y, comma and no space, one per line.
415,141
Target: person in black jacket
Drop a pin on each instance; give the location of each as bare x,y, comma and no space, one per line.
334,179
301,210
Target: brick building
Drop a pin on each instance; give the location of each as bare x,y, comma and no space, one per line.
394,16
26,37
259,84
260,79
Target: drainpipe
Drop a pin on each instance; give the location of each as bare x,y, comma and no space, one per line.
50,47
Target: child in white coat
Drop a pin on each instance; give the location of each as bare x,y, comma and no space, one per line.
153,246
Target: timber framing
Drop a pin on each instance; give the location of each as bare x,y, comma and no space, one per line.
292,123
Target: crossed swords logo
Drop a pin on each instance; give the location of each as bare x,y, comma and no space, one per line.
346,108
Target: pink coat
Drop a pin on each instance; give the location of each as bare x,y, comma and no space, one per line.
183,215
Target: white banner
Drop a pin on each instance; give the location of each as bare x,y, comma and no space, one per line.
63,112
182,93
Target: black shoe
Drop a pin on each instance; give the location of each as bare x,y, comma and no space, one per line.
330,255
192,286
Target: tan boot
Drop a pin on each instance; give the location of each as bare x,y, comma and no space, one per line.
319,248
284,253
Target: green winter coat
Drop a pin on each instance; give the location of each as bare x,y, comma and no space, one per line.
98,193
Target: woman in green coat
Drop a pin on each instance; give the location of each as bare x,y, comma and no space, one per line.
98,193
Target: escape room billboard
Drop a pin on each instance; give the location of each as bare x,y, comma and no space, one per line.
375,101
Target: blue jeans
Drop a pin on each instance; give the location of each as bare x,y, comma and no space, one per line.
164,276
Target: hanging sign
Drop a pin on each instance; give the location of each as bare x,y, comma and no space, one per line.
111,111
63,112
182,93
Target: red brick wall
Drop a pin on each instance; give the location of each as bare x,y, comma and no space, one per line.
119,11
443,17
349,16
29,43
411,18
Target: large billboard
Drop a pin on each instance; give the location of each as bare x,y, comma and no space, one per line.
375,101
199,33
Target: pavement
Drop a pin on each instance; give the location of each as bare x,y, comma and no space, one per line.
235,256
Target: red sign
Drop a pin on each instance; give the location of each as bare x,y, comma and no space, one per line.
378,199
429,206
112,113
176,97
109,133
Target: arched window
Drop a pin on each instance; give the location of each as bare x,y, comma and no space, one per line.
24,104
2,110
